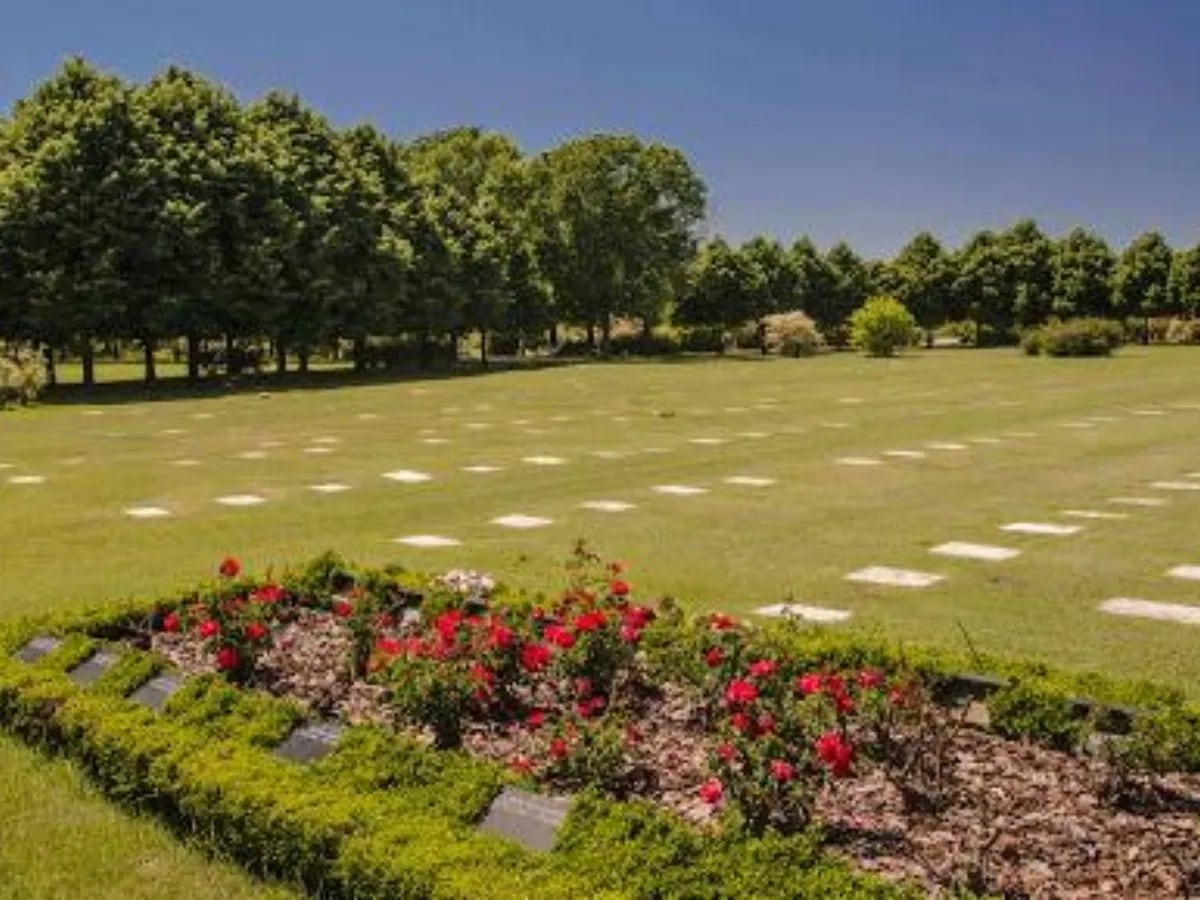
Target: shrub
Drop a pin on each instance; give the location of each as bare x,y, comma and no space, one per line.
882,325
1183,331
703,339
22,378
656,343
792,334
1075,337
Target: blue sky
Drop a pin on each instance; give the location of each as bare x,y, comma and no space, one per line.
850,119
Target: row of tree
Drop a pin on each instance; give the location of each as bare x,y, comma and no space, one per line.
170,211
1001,281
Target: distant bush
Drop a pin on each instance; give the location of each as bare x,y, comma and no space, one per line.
703,339
792,334
1183,331
882,325
22,378
1075,337
655,343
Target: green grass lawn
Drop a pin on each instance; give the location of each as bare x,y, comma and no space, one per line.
67,541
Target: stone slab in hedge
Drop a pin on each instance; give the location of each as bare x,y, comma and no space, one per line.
89,671
530,819
310,742
37,648
155,693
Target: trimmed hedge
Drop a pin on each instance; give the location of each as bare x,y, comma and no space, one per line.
1075,337
380,817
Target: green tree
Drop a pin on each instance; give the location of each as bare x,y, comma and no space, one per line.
724,288
777,276
1030,261
67,210
1141,280
1082,268
1185,281
984,287
921,277
618,219
849,286
814,280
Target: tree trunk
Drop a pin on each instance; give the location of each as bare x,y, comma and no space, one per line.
89,363
230,369
605,333
51,370
302,355
928,338
148,361
193,357
591,335
280,358
1146,333
360,354
483,347
554,336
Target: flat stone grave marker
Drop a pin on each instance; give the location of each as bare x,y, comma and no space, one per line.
1047,528
155,693
967,550
1176,485
310,742
531,820
894,577
800,611
37,648
1189,573
89,671
1146,609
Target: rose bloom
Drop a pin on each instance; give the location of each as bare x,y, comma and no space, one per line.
209,628
619,588
869,678
227,659
268,593
535,718
782,770
726,752
835,753
630,634
170,622
256,631
559,748
522,764
765,724
740,722
763,668
809,684
230,567
637,616
721,622
590,621
714,656
500,636
559,636
740,691
389,646
342,608
712,791
535,657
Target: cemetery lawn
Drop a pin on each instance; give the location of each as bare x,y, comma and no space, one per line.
68,541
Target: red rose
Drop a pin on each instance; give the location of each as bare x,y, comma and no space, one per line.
482,674
844,703
740,691
256,631
342,608
726,752
536,718
522,764
500,636
721,622
619,588
535,657
897,697
714,656
637,616
765,724
560,637
170,622
809,684
227,659
230,567
583,687
209,628
834,685
268,593
446,625
712,791
630,634
739,722
869,678
782,770
559,748
389,646
835,753
762,668
590,621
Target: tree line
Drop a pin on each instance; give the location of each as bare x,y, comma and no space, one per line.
170,211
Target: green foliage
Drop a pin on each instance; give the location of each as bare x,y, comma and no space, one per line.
881,326
1075,337
1022,710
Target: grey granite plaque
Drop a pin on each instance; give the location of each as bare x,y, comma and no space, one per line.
37,648
531,820
310,742
157,691
89,671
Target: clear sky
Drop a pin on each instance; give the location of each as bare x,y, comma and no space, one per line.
858,119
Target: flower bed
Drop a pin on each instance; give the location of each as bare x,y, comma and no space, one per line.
738,734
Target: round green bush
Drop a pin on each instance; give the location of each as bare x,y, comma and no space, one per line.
882,325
